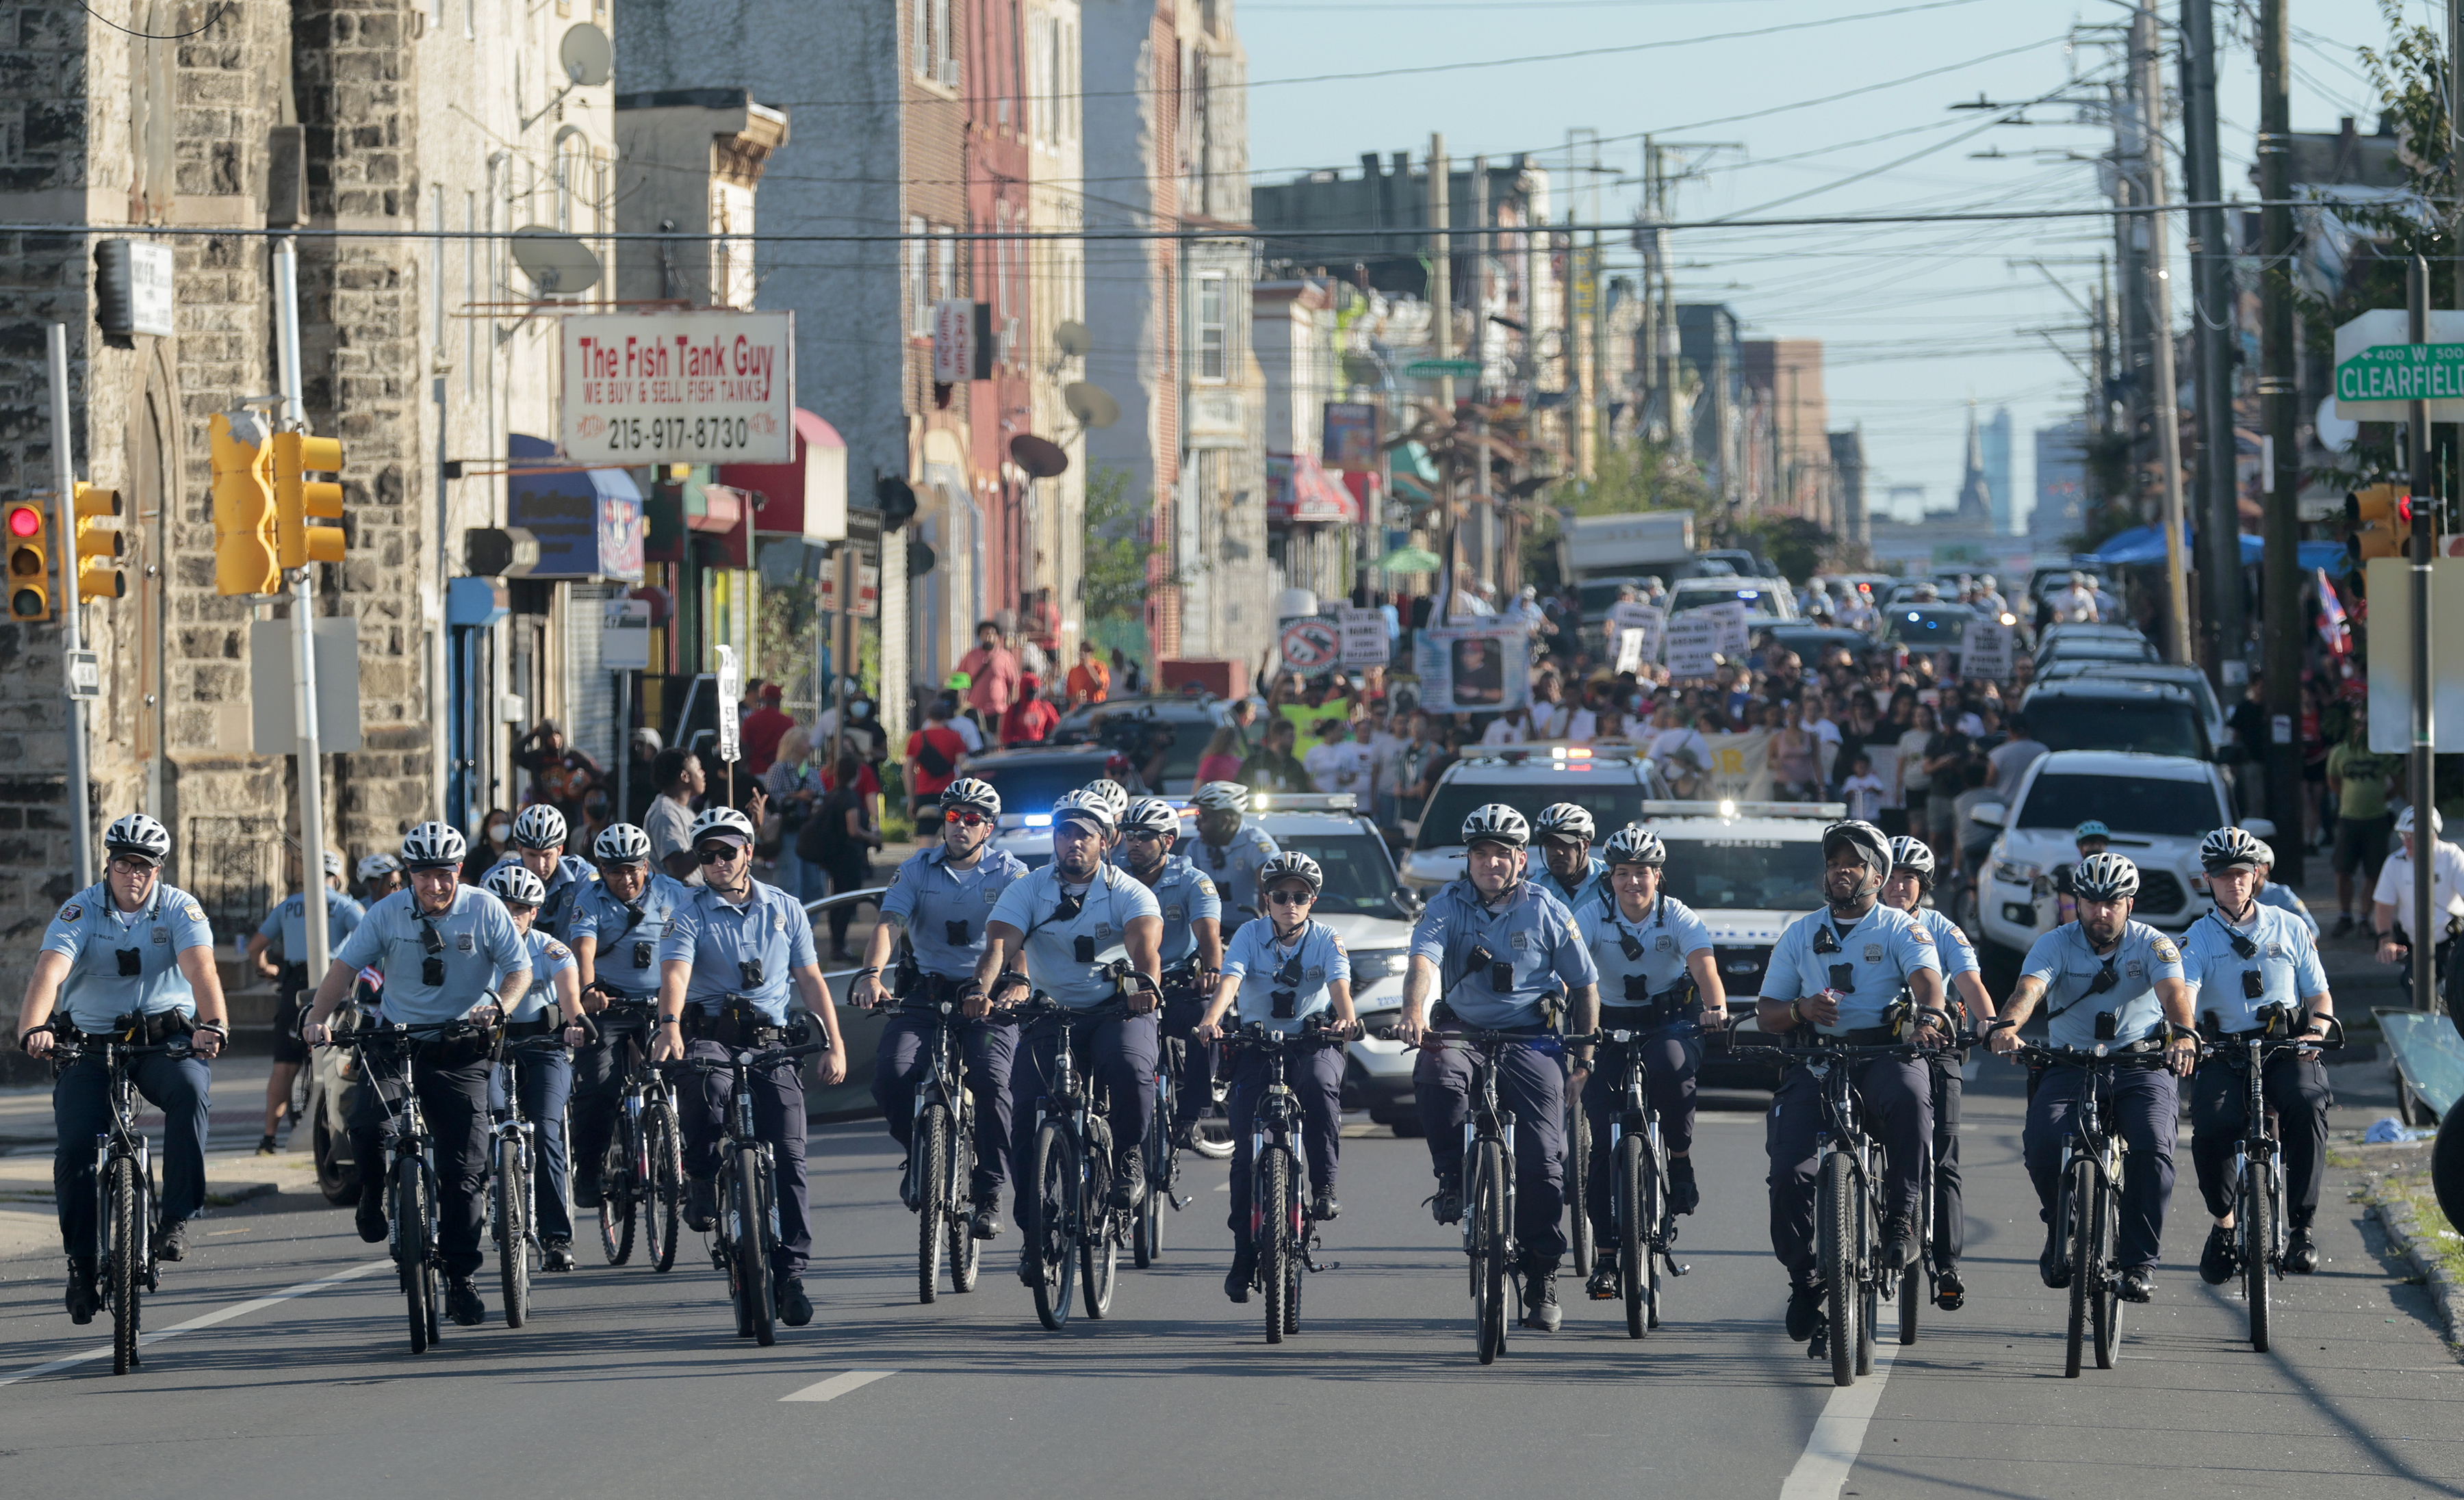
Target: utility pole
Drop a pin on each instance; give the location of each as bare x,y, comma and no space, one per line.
2421,767
64,506
2281,603
1442,336
2145,64
2130,307
303,639
2211,324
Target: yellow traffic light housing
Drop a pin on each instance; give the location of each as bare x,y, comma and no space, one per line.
245,513
2378,522
29,560
304,507
98,579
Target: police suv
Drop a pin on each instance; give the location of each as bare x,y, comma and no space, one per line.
1613,785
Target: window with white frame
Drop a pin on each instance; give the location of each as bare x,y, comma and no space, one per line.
935,50
919,278
945,267
1211,327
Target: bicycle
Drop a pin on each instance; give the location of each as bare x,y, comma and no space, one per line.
941,1155
1161,1157
642,1175
747,1231
1849,1169
1067,1198
1281,1227
2259,1173
2087,1206
511,1206
1645,1224
127,1193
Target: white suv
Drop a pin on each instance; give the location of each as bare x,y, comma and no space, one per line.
2159,806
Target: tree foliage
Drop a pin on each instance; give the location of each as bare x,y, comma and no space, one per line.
1117,551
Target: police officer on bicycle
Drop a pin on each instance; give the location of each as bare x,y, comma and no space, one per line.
941,902
1489,950
1659,976
2106,981
725,967
127,952
2241,958
1912,884
614,932
544,1078
1191,951
1230,851
287,924
1566,831
1282,973
539,847
442,947
1062,919
1841,973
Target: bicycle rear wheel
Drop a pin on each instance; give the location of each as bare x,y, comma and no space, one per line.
409,1219
1630,1191
1834,1229
1051,1211
1268,1191
1578,1181
1488,1250
2078,1205
751,1205
2106,1303
2257,1238
125,1257
662,1192
932,1147
1099,1258
619,1194
513,1228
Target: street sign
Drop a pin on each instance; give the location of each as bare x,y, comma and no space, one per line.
2379,375
1439,369
698,387
625,635
867,592
85,673
1364,637
731,695
1311,644
273,728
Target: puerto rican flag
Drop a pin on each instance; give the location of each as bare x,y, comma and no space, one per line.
2333,628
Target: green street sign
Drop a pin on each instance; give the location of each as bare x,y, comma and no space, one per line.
2403,372
1439,369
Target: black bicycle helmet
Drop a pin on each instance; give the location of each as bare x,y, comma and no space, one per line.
1871,844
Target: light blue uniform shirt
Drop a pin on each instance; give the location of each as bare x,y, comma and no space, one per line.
1592,890
627,956
2287,899
927,897
2286,960
1307,968
1534,932
1187,898
572,876
93,932
2063,960
1951,944
1113,899
549,959
1879,952
1669,936
718,937
287,924
480,949
1234,867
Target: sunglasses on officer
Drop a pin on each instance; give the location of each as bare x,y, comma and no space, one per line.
717,854
1290,897
966,818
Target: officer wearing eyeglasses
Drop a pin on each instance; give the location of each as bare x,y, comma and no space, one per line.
941,902
2114,985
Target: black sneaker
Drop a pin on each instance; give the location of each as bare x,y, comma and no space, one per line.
1804,1309
1323,1207
985,1223
557,1255
372,1220
906,1183
1245,1270
172,1243
1446,1204
2138,1284
587,1193
1898,1245
1603,1284
1540,1310
462,1303
2343,925
1129,1184
265,1145
701,1203
1950,1292
1683,1196
2220,1260
1030,1266
2052,1266
795,1308
83,1300
2301,1253
1818,1343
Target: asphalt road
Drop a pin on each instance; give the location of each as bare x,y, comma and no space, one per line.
628,1382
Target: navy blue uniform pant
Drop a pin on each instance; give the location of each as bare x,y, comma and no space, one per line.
454,1100
2142,1109
544,1081
1670,1061
1896,1096
1530,1084
702,1105
81,1111
1950,1205
1194,1082
1315,1078
903,1060
599,1071
1121,1056
2296,1089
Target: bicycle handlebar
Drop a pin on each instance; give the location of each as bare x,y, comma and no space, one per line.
1255,1040
2332,1039
76,1050
767,1057
2074,1057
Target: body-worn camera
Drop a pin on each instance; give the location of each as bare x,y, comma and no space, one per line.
132,962
1083,949
1286,1003
1501,974
1638,989
432,943
2254,985
2108,1026
955,933
641,954
751,968
1843,977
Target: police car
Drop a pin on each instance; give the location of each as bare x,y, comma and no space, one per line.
1613,783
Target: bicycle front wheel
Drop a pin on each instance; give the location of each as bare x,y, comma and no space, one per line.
2257,1239
663,1208
2081,1197
1268,1190
751,1205
1632,1191
931,1148
1146,1226
1579,1179
1835,1210
2105,1307
1489,1241
1050,1205
619,1194
513,1228
409,1218
1099,1256
125,1260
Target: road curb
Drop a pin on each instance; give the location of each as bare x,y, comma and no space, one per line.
2411,1239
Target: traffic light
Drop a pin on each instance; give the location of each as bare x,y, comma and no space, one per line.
2378,522
29,560
98,580
245,555
303,504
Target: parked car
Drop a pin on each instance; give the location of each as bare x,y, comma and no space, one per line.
1811,642
1162,738
2188,678
1031,777
1767,602
2093,712
1614,786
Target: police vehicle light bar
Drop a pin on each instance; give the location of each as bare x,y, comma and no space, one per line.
1302,802
1827,812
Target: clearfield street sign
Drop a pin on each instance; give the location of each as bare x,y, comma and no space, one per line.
2380,372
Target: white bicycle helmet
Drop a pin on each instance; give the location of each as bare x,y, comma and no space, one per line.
1912,853
1634,845
2104,877
1085,807
1496,823
621,844
539,827
2231,849
1153,816
2403,821
973,793
1566,820
723,821
515,886
1288,865
1115,796
1221,796
138,837
434,846
376,865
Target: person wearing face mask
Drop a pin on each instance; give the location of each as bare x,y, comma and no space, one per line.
618,921
2240,960
543,1079
127,952
1912,884
940,902
1191,949
1282,973
496,845
2106,980
1836,976
1491,948
1231,852
447,952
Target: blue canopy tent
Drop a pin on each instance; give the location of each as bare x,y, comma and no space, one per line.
2143,545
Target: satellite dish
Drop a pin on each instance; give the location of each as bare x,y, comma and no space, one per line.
1040,456
589,58
2336,431
558,264
1090,404
1072,338
920,559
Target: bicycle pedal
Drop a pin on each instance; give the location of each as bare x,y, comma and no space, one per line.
1678,1268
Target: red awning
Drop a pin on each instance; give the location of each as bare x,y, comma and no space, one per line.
724,510
1300,490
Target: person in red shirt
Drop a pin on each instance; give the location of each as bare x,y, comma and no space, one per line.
936,742
1030,720
992,676
762,729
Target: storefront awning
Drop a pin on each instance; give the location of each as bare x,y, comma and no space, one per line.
1299,490
588,522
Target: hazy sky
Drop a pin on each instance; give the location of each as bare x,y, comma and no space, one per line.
1916,319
